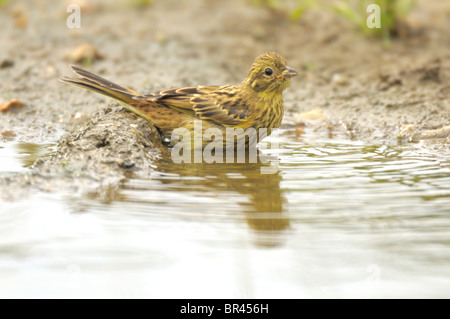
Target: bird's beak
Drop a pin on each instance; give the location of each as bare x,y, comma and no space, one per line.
289,72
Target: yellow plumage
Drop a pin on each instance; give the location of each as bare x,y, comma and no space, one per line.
256,103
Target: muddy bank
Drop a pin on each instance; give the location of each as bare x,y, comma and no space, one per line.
403,106
111,146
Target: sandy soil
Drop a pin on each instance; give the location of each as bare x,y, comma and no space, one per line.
349,82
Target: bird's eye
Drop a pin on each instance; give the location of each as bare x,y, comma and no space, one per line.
268,71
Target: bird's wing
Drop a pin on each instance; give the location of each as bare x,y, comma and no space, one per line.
220,104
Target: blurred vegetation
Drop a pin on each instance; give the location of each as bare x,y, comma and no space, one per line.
392,15
392,12
142,3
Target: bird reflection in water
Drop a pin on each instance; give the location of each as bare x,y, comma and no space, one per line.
259,195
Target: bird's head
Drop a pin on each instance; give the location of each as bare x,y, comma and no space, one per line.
269,74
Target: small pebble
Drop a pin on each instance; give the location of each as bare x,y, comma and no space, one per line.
315,115
6,63
84,53
20,14
339,79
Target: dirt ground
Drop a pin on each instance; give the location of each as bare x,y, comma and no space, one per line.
349,81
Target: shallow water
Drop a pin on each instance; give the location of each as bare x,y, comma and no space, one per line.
15,157
338,219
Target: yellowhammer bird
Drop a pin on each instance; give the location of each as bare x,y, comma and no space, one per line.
256,103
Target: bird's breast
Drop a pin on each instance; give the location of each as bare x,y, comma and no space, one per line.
269,113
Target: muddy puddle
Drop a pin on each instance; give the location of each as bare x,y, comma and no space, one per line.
339,218
360,212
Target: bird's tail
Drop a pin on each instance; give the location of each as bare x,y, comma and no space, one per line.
100,85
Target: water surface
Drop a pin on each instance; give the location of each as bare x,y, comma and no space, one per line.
340,218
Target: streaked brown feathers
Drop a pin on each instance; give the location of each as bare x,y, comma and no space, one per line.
257,102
